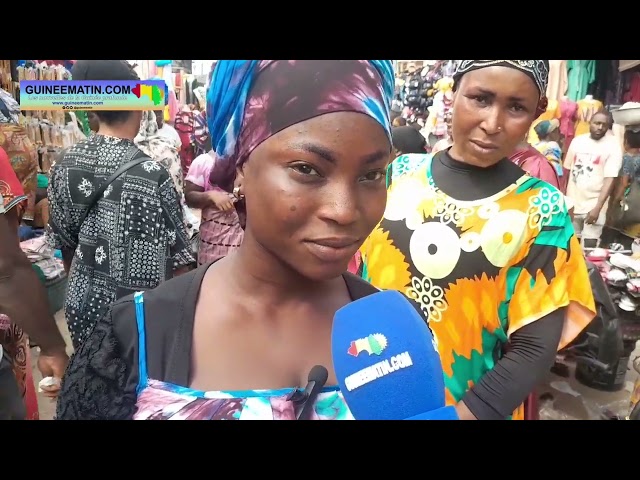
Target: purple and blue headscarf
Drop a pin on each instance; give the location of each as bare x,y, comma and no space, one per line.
250,100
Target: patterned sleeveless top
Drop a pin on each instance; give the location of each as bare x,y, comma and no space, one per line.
165,401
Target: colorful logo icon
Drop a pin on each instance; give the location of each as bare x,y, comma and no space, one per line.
152,92
373,344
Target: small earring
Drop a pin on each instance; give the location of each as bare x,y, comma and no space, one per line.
237,194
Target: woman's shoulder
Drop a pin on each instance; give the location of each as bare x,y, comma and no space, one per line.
166,308
408,164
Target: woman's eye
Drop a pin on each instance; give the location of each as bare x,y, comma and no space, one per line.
305,169
482,100
374,176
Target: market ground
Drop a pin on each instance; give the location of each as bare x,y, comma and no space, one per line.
570,400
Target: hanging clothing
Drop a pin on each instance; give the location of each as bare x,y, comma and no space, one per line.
184,125
632,91
558,79
568,118
173,106
582,73
587,108
607,81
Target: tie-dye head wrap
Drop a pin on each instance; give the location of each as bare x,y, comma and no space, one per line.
537,70
251,100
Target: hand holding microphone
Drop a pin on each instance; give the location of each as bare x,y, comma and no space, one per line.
386,362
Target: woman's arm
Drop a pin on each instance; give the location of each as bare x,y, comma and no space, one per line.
621,185
101,379
196,197
531,355
550,303
22,296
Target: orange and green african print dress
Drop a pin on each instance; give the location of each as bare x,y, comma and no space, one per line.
478,270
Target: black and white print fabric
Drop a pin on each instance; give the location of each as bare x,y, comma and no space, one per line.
132,239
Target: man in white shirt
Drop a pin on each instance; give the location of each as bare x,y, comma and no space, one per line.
167,131
594,161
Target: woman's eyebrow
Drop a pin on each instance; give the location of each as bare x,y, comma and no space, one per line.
489,93
330,156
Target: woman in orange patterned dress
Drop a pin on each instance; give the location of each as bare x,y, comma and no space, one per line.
486,252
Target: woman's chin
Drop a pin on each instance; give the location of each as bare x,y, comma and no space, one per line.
319,272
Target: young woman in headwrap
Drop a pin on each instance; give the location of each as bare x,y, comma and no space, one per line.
487,252
529,159
548,132
310,141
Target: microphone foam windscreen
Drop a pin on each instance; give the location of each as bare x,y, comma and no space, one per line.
385,359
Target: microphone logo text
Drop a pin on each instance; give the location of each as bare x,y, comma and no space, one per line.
377,370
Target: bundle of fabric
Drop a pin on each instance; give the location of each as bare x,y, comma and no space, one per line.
43,258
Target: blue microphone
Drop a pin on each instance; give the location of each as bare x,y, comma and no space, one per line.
386,361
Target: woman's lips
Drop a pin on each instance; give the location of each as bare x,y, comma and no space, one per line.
483,147
332,250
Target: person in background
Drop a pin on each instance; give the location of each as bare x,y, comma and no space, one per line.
529,159
167,131
184,125
447,141
629,174
548,132
311,141
594,161
94,121
165,151
134,236
222,220
407,140
399,121
24,311
486,252
22,153
41,212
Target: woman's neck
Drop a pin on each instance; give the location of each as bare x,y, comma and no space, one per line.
258,271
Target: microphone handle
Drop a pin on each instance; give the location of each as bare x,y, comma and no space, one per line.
307,404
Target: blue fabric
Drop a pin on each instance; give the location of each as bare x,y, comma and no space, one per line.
230,86
143,376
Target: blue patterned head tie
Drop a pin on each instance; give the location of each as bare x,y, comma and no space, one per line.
251,100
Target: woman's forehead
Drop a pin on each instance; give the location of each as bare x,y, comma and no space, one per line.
502,81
